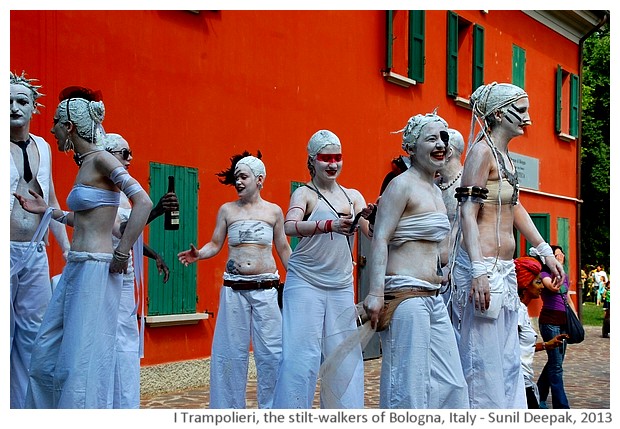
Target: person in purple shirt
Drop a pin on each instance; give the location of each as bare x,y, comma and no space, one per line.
552,322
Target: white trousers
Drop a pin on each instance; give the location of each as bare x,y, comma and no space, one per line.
312,320
31,292
127,368
421,367
245,316
489,348
73,358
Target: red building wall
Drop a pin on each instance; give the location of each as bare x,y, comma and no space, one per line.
193,89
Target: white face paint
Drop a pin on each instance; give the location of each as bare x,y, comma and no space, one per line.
21,106
430,148
331,169
61,132
245,181
517,116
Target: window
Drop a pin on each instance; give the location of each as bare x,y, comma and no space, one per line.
405,47
563,226
566,105
518,66
542,222
178,296
465,56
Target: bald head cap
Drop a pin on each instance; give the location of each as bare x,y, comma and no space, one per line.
256,166
456,140
414,126
320,139
490,98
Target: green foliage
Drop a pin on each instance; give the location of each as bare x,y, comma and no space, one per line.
595,149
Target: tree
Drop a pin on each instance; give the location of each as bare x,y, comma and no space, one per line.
595,152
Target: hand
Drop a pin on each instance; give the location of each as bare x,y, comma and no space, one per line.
480,293
556,268
556,341
162,268
555,285
343,225
189,256
117,266
36,205
169,202
373,305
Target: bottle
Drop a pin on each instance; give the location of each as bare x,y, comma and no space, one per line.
171,219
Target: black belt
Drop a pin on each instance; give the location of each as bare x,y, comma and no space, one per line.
250,285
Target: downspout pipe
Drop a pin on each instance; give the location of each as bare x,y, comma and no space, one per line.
602,22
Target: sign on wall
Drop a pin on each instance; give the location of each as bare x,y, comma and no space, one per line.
527,169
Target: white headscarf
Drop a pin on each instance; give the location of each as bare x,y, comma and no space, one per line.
254,164
87,117
319,140
414,126
493,97
113,141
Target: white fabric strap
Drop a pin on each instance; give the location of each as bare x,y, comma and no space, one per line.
36,238
478,269
542,250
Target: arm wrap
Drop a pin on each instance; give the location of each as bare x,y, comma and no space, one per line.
121,178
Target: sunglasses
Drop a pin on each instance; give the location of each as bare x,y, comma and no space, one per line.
126,153
329,157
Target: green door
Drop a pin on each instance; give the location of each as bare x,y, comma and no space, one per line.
178,296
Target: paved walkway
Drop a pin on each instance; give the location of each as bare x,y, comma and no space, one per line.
586,380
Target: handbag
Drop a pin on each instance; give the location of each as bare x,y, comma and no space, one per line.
574,328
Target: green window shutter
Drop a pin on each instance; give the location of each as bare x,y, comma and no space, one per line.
542,223
389,39
452,53
518,66
416,45
563,240
294,240
178,296
558,100
478,58
574,105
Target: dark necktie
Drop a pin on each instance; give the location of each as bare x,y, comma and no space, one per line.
27,171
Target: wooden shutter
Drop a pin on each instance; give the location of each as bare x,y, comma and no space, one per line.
453,54
416,45
178,296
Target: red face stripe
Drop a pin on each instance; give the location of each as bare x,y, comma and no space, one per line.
329,157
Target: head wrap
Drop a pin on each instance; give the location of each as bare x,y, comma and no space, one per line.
456,140
254,164
527,269
87,117
28,83
319,140
113,141
490,98
414,126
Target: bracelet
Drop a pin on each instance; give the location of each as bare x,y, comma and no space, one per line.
478,269
120,256
328,225
544,346
63,217
299,233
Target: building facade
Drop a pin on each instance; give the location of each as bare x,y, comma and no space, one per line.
189,89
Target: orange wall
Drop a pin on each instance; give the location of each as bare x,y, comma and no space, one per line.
193,89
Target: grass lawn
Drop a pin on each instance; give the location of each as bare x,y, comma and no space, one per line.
592,315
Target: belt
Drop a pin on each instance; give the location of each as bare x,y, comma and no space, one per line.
391,299
251,285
